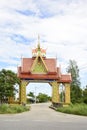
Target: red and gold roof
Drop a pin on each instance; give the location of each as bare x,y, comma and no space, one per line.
41,68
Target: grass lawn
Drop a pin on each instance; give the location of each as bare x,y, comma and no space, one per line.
12,108
76,109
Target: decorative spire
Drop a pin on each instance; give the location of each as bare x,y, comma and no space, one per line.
38,51
38,39
38,46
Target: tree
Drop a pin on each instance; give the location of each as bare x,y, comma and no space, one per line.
85,95
7,81
30,97
42,97
76,92
31,94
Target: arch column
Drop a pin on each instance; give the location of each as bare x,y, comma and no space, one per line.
22,91
67,93
55,92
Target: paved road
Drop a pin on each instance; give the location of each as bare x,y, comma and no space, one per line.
41,117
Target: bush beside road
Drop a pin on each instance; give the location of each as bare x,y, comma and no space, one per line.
13,108
76,109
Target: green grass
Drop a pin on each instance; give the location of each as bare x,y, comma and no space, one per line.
77,109
11,109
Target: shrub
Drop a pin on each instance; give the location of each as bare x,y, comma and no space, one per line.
77,109
12,108
85,100
3,108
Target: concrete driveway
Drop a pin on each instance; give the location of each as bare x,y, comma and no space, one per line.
41,117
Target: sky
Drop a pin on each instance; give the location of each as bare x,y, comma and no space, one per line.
61,25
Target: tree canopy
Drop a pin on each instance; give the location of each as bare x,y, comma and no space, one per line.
43,97
76,92
8,80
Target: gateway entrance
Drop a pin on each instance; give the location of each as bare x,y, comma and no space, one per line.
41,69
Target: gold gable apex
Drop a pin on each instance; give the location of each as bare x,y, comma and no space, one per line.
39,66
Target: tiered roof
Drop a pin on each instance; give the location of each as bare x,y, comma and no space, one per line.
41,68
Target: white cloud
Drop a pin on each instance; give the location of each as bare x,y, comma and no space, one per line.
61,24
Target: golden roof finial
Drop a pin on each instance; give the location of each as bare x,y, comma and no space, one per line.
38,46
38,38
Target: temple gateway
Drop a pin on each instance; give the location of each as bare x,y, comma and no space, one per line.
39,68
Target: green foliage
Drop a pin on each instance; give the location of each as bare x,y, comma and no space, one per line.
32,97
85,100
76,92
62,96
43,97
77,109
74,70
85,95
7,81
5,108
31,94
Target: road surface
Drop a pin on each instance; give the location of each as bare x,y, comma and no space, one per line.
41,117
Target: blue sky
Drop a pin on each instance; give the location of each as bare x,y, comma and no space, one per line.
61,24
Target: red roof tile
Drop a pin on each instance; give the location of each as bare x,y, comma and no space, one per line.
65,78
53,71
51,65
27,64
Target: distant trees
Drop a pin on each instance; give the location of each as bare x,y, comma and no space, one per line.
7,81
31,94
31,97
41,97
76,91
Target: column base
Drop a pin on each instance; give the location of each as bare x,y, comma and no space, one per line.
56,105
